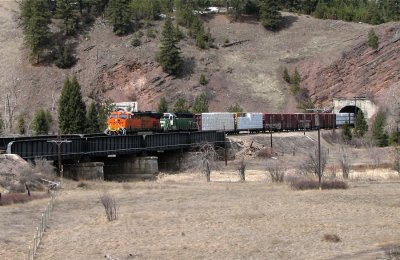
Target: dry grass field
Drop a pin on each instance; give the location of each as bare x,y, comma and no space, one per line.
184,217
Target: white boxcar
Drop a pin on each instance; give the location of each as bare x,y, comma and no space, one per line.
218,121
249,121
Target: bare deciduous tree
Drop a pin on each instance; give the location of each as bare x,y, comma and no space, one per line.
208,158
396,163
277,171
10,104
242,169
311,164
110,206
373,153
344,162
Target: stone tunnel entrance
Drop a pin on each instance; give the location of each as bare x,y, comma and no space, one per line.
349,109
353,105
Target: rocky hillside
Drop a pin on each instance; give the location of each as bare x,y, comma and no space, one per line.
360,71
332,57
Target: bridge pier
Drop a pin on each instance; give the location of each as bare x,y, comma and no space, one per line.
130,168
84,171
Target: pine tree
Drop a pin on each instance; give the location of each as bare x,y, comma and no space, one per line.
36,18
93,124
346,132
180,106
40,123
200,104
361,126
236,8
163,105
21,125
64,57
378,130
169,54
119,16
373,40
286,75
184,12
67,10
72,110
270,16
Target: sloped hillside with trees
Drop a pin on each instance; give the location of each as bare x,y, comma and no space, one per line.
233,56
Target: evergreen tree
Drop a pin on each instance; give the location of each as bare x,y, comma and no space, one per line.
72,110
184,12
40,123
93,124
119,16
270,16
163,105
36,18
346,132
373,40
295,82
21,125
378,130
200,104
235,108
286,75
67,10
64,57
236,8
361,126
169,54
180,106
394,137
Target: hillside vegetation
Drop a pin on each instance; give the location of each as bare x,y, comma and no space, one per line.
114,67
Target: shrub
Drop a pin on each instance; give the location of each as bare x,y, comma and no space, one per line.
135,42
265,153
276,171
150,33
373,40
110,206
331,238
82,185
202,79
311,184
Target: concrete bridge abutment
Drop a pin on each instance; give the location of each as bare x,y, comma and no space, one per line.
130,168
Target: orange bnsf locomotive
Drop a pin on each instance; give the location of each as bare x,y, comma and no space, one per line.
123,122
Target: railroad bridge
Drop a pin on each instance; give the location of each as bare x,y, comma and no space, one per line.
352,105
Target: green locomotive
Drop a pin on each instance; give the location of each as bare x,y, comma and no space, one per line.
178,122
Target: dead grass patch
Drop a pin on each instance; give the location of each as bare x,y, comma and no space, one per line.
14,198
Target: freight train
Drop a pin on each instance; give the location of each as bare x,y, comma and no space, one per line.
124,122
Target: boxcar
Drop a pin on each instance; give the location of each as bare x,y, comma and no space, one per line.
252,122
218,121
272,121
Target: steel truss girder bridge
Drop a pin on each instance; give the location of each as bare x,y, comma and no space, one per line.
97,145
